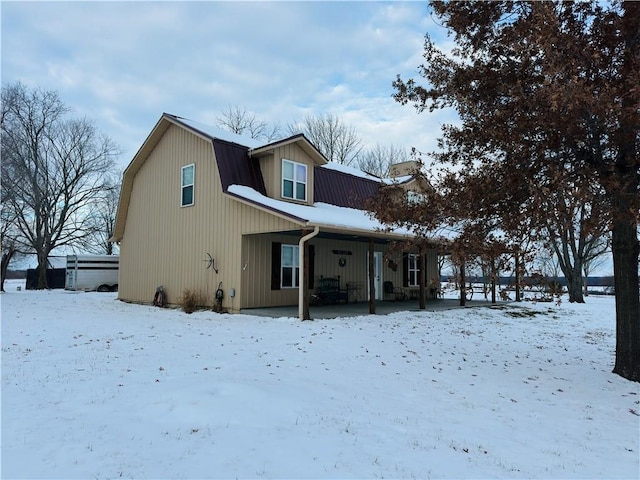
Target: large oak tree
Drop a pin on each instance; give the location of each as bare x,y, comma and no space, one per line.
548,94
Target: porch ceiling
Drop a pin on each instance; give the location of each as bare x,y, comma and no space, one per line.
343,236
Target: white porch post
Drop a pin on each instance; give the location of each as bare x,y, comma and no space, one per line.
303,283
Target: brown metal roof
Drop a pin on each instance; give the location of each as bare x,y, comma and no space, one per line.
341,189
236,168
239,165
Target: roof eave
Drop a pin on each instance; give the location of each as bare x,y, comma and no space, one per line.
301,140
364,232
322,225
266,208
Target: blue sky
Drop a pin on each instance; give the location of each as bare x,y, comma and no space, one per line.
122,64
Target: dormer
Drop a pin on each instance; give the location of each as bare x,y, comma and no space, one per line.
287,167
409,181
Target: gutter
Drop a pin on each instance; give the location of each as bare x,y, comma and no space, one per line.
301,243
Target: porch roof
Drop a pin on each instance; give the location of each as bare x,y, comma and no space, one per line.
324,215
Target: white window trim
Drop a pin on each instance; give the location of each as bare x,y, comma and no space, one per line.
192,185
295,182
295,266
415,270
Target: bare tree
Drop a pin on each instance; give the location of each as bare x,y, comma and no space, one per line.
378,160
336,140
9,235
238,120
597,258
573,218
104,216
547,264
57,166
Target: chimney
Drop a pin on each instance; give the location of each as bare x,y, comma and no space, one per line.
404,168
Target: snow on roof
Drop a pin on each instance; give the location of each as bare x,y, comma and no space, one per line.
400,179
221,134
322,214
31,261
349,170
362,174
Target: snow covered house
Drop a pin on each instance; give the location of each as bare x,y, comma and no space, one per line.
204,209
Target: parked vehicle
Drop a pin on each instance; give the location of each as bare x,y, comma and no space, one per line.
92,273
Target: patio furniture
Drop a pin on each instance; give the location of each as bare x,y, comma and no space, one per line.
329,291
396,293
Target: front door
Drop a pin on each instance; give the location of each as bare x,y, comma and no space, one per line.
377,275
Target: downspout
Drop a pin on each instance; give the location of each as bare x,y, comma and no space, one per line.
302,283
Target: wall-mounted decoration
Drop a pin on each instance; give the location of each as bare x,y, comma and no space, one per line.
342,262
392,265
211,263
342,252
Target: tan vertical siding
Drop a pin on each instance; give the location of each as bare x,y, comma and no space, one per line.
165,244
161,245
256,278
271,183
272,170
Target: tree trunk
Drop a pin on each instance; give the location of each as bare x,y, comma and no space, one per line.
494,277
586,285
574,286
4,265
463,293
42,272
625,260
624,241
571,266
518,276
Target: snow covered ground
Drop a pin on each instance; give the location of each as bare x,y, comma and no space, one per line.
96,388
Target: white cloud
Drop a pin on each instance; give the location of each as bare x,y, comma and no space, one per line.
124,63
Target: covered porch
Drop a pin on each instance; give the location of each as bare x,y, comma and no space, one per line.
325,268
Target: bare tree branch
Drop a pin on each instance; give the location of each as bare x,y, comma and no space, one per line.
336,140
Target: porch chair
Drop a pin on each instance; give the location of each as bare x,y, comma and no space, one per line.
329,291
396,293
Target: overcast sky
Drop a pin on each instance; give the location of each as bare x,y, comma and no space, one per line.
122,64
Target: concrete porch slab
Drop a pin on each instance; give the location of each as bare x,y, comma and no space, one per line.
362,308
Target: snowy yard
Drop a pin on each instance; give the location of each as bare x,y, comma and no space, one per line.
96,388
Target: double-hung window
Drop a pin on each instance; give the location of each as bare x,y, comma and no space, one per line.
415,198
294,180
290,266
413,270
187,184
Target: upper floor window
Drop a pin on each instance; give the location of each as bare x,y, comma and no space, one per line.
294,180
188,177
